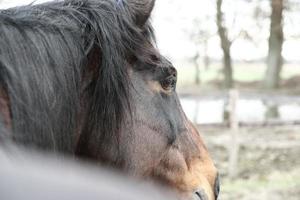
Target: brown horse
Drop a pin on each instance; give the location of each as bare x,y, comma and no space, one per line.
84,78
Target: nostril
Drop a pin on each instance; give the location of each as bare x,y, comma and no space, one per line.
217,187
201,195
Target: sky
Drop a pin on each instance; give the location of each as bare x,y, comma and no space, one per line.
12,3
175,21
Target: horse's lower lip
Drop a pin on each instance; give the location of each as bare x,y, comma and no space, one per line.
201,195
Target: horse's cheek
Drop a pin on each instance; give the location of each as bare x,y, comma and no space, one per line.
5,109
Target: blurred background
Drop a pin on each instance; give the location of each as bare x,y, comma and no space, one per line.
238,65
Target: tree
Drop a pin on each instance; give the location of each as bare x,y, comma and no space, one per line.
200,36
197,68
275,60
225,45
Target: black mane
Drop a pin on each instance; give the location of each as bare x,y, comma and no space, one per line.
45,51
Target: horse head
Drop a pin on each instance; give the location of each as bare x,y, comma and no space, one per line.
154,140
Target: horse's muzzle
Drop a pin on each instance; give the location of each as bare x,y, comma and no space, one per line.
201,195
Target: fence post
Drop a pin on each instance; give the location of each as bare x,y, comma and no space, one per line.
234,132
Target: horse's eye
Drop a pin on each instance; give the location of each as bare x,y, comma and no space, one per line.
169,83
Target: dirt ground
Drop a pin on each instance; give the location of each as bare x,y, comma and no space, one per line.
269,162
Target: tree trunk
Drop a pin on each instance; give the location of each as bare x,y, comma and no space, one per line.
197,69
206,59
226,45
275,61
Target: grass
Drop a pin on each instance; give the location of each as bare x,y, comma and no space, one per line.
243,72
263,187
275,181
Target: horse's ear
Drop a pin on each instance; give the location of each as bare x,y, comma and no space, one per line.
141,10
